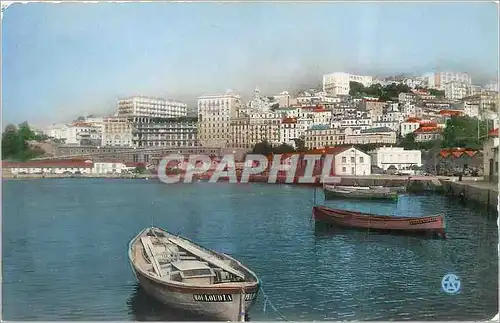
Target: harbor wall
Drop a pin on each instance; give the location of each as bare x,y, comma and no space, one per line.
485,193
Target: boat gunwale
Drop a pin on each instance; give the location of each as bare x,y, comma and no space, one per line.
376,217
233,287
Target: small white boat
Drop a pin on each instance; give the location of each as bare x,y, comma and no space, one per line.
186,276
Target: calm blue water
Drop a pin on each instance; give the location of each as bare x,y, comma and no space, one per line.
65,252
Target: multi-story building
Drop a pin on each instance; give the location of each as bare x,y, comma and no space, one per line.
338,83
352,161
321,136
117,131
491,87
439,79
490,151
165,132
384,157
357,136
78,133
214,117
428,131
409,126
289,131
456,90
247,130
151,107
375,108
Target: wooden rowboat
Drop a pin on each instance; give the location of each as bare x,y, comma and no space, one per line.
186,276
359,192
434,225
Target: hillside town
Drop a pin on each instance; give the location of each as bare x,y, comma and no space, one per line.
397,124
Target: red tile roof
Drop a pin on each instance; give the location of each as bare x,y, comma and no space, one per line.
493,133
426,129
450,112
289,120
416,120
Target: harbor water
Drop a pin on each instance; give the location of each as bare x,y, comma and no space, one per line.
65,252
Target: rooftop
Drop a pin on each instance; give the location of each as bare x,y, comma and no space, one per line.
377,129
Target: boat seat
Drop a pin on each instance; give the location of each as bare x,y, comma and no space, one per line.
188,258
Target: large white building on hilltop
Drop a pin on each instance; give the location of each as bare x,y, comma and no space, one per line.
439,79
214,117
141,106
338,83
385,157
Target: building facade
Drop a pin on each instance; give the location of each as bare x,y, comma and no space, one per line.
214,118
353,162
456,90
338,83
151,107
322,136
490,156
117,131
385,157
249,129
439,79
165,132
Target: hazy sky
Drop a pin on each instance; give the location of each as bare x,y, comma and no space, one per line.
61,60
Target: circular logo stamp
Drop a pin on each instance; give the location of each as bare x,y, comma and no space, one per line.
451,284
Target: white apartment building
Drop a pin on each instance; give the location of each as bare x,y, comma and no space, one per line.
117,131
284,99
290,130
438,79
384,157
214,115
394,125
409,126
77,132
492,87
356,136
362,122
456,90
338,83
151,107
353,162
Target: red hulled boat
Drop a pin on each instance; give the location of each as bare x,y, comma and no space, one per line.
434,225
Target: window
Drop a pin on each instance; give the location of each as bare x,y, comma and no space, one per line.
343,169
353,171
361,160
344,160
353,160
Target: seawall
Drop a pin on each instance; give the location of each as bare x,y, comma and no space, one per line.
481,192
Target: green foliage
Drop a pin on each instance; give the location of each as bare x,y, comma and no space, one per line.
265,148
464,131
15,143
437,93
383,93
300,144
141,169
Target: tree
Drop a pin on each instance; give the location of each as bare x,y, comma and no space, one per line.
15,143
263,148
283,149
463,131
408,141
436,93
300,144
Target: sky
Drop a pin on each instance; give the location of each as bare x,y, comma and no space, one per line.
60,61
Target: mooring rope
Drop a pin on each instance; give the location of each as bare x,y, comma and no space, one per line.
267,301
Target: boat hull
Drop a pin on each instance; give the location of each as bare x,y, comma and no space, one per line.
219,302
434,225
223,307
371,194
